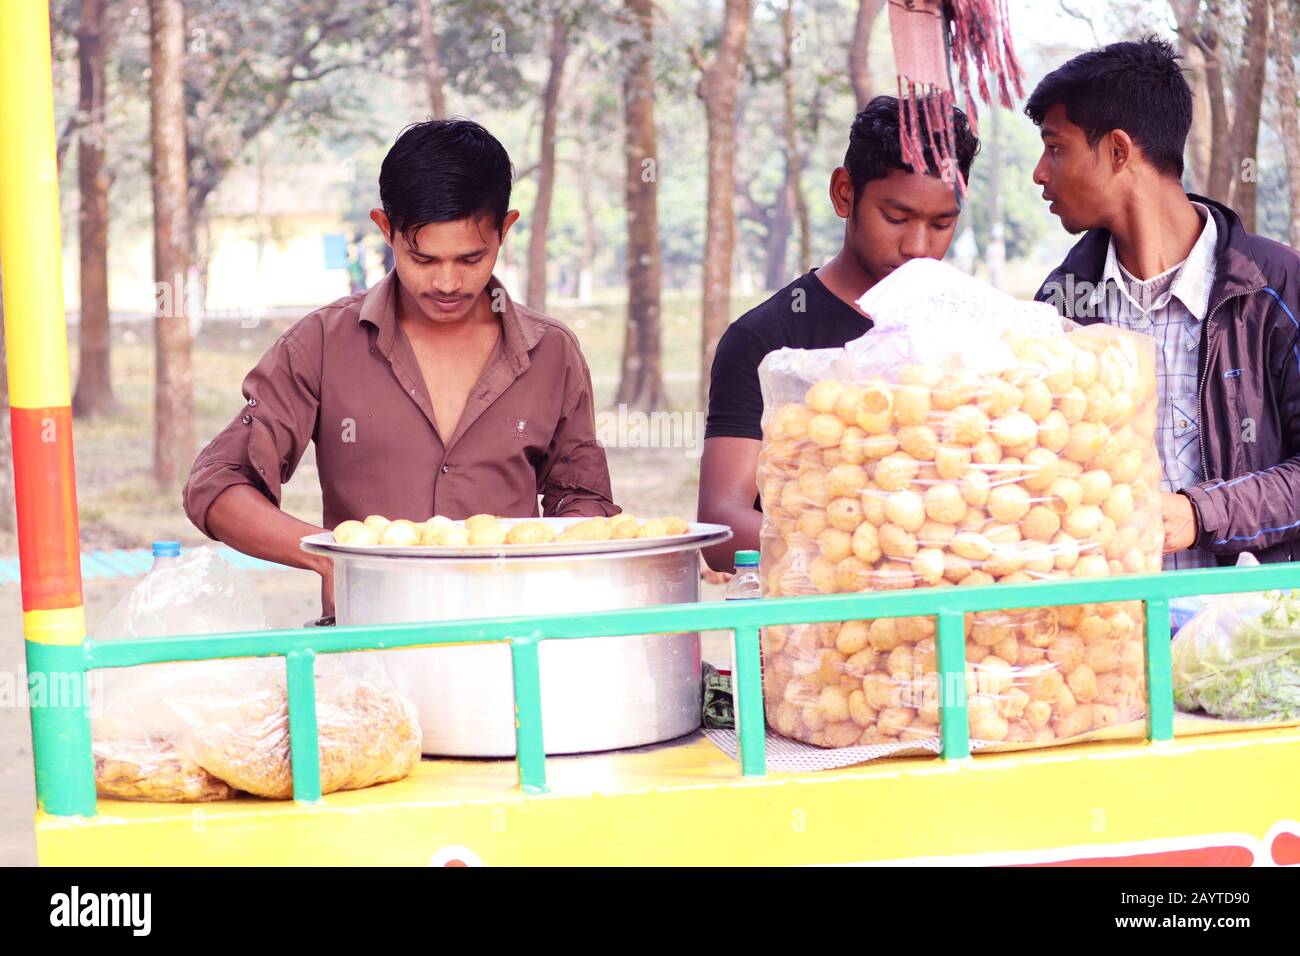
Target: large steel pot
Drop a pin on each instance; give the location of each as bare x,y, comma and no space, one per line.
597,694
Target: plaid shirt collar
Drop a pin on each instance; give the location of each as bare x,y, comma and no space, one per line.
1194,282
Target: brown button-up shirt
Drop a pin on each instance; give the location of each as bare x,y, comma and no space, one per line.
347,378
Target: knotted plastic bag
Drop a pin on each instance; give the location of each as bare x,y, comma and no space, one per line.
203,730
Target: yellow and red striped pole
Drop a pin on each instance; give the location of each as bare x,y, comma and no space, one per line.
54,620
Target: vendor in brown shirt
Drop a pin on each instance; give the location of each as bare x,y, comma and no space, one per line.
431,393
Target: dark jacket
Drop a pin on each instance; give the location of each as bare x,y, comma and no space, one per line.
1250,385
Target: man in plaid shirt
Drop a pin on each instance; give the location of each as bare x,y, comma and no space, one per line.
1220,302
1171,307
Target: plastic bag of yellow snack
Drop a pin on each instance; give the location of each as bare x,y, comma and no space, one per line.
201,730
239,732
967,439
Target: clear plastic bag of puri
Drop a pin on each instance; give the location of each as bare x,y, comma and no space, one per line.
967,439
206,730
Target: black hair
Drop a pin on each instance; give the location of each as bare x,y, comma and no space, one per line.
874,148
442,171
1137,86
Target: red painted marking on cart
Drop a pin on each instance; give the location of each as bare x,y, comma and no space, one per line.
1201,856
455,856
1286,849
45,493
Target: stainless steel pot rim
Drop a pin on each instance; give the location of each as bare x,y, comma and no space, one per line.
700,535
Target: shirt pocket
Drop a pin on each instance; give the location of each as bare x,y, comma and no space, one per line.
1185,470
1185,418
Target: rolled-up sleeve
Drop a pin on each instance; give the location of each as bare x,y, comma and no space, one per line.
264,442
575,479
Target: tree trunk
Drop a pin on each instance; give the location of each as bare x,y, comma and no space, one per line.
860,52
718,88
1200,136
94,395
641,385
793,152
174,380
1283,56
559,50
432,61
779,221
1248,103
1213,151
590,230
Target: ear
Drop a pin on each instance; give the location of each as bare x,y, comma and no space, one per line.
512,217
1120,150
841,192
380,219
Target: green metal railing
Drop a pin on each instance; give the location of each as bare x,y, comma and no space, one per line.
62,745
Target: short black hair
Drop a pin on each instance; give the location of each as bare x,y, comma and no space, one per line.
444,170
874,147
1137,86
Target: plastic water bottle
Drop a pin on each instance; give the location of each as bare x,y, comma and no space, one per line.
745,584
165,552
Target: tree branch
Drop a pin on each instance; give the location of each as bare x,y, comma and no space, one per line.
1070,11
73,124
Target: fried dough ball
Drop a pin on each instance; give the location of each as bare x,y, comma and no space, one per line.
1014,429
944,503
866,542
905,509
354,532
846,480
823,396
530,532
965,425
589,530
475,522
1008,503
451,536
826,430
488,534
378,522
875,411
836,545
911,404
400,533
624,526
919,441
654,528
895,472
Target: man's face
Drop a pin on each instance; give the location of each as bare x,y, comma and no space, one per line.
900,217
1075,176
444,267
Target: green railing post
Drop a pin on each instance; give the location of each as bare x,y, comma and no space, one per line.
751,730
1160,676
530,746
954,728
58,691
304,744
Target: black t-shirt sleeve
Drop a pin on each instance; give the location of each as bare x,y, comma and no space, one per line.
735,399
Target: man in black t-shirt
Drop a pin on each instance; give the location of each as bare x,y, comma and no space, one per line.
892,214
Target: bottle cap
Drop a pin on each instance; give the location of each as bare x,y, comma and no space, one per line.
746,559
166,549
